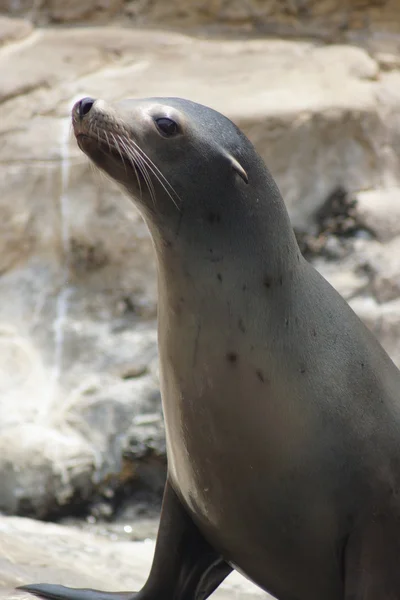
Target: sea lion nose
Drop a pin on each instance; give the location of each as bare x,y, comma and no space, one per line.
84,106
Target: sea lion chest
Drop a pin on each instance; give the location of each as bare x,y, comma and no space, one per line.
243,438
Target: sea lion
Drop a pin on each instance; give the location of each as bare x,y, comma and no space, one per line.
282,411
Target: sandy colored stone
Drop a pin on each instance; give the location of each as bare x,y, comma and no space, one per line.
31,551
13,30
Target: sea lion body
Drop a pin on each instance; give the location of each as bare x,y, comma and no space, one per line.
282,411
273,483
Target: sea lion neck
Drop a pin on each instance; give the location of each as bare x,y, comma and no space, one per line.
215,243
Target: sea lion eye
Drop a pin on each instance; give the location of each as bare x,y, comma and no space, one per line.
167,126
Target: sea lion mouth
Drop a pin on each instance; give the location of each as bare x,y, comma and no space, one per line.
94,144
106,149
128,156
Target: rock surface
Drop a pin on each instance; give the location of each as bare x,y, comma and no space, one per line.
31,552
78,357
328,19
379,212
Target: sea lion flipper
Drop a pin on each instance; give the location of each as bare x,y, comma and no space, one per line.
60,592
184,564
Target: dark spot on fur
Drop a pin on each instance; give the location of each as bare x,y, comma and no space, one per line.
267,282
260,375
213,217
244,287
241,325
210,250
302,370
286,322
314,333
280,280
362,365
219,276
232,357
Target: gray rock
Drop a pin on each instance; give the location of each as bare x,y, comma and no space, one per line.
384,322
386,272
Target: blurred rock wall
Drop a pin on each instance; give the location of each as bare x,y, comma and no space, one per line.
330,19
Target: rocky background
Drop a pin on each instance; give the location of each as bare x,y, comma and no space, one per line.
315,84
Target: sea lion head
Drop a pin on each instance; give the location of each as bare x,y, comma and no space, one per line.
165,151
188,168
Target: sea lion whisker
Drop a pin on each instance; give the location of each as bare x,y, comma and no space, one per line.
162,184
134,157
110,156
138,160
100,140
95,169
120,140
143,153
108,141
149,166
116,145
93,132
145,173
158,174
97,135
147,178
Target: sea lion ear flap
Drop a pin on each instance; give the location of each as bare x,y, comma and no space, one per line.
236,166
